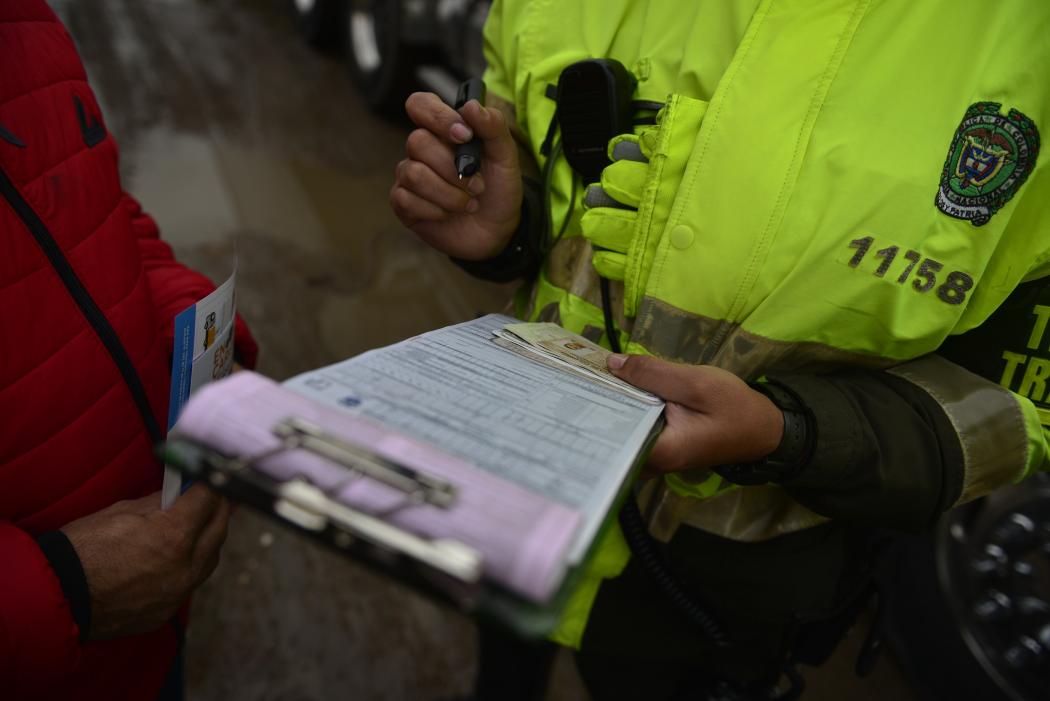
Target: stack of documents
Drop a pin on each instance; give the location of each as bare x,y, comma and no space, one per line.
552,345
517,441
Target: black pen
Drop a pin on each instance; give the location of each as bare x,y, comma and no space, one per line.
468,155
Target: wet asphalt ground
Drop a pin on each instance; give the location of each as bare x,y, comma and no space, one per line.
247,145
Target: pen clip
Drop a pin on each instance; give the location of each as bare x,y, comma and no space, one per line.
469,89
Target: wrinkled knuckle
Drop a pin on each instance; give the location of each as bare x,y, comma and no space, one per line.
717,392
417,141
408,175
170,549
414,101
392,198
440,115
414,173
127,523
696,387
179,544
638,367
460,197
411,204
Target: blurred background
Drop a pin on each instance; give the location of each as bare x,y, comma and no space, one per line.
267,131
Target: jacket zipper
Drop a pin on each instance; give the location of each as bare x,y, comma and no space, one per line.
94,316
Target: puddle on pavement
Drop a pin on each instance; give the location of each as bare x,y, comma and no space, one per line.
325,271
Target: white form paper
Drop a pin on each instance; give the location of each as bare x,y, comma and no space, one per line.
564,437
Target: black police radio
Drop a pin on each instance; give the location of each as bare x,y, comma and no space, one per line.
594,99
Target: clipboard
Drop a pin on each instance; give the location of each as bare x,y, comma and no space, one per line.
443,569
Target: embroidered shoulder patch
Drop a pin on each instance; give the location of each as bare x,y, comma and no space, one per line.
988,161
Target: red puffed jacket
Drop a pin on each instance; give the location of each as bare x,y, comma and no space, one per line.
88,293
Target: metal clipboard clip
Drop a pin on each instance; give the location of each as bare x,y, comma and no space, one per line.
315,509
417,486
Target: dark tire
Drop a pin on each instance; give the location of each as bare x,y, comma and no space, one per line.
319,21
968,612
922,632
381,64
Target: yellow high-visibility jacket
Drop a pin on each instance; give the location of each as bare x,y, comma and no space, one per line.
838,184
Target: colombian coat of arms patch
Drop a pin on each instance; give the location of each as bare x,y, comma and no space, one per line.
988,161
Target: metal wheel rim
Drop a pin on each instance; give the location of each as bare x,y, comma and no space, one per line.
364,40
956,543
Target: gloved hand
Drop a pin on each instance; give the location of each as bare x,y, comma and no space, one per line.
611,218
626,213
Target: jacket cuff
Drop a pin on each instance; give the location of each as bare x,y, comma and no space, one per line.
837,433
523,256
66,564
38,638
884,452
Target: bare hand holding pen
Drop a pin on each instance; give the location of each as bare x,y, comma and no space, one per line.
473,218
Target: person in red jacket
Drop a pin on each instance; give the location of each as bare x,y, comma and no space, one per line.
92,573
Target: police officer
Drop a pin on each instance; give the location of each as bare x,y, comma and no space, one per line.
827,253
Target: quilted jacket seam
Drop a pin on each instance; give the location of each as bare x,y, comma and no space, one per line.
57,164
86,328
106,463
116,386
92,232
6,101
57,503
87,409
29,21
